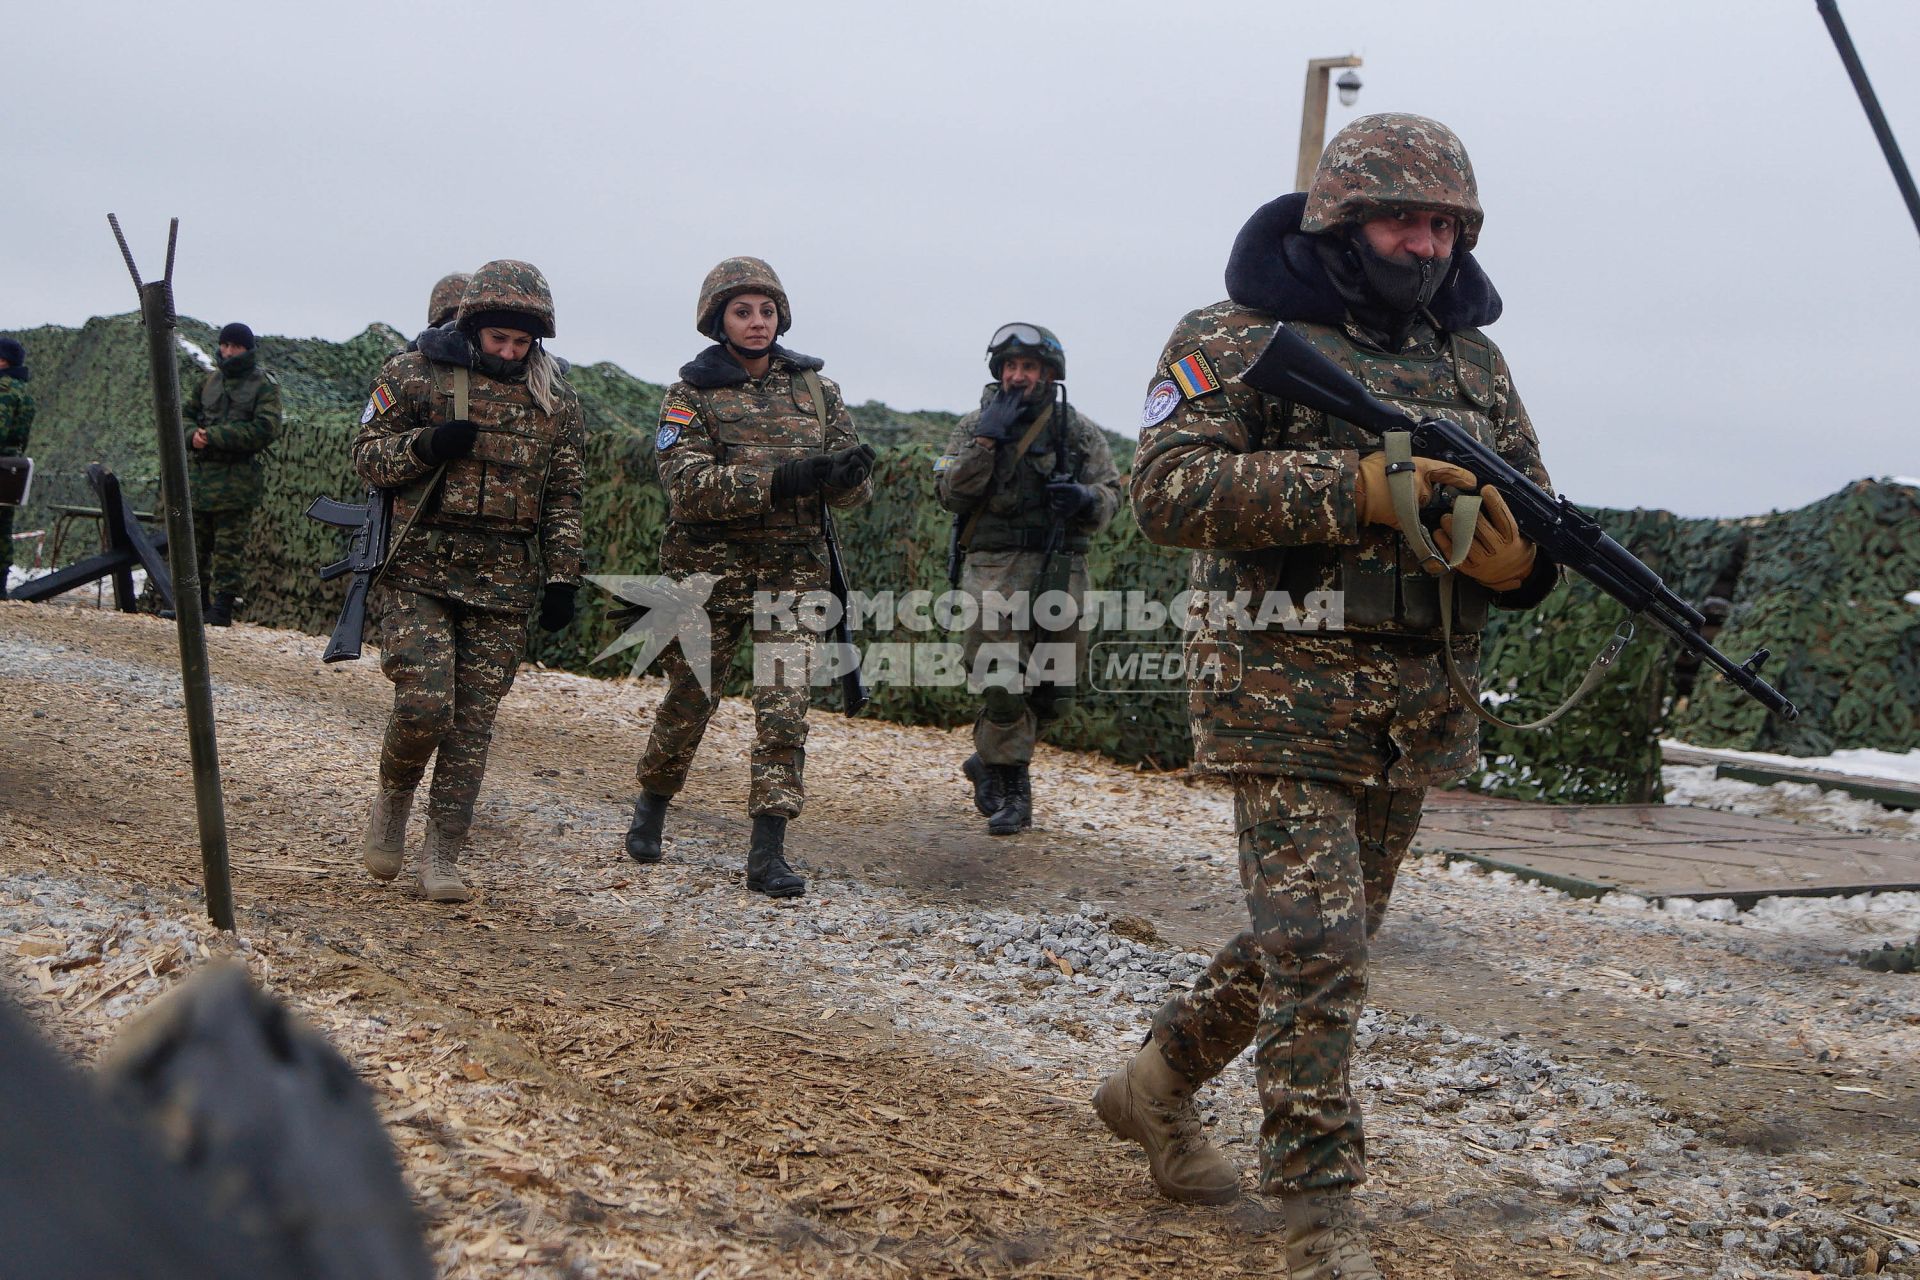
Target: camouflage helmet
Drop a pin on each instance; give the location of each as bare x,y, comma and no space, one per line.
444,301
507,285
732,278
1393,160
1022,339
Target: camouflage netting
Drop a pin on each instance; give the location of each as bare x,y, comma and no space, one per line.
1824,586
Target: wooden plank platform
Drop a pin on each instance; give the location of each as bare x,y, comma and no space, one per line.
1664,851
1892,792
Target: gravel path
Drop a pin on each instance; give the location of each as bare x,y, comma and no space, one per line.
1550,1084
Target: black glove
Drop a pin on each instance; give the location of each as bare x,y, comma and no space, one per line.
801,477
556,606
1067,499
997,420
851,467
446,442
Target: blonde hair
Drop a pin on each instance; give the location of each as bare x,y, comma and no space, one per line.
542,372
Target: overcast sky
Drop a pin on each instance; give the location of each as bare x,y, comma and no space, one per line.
1712,286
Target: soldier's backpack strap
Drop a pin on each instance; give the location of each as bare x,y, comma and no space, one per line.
1040,421
812,378
461,386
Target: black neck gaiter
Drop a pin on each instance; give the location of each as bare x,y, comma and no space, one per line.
1384,297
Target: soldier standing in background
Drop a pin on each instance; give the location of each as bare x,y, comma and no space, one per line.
481,439
231,421
16,426
752,443
1330,738
1022,473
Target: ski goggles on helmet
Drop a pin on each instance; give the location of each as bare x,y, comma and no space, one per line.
1021,335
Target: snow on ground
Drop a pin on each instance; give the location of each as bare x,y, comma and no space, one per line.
1860,762
194,349
1794,801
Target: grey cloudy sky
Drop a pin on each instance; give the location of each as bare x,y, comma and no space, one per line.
1711,281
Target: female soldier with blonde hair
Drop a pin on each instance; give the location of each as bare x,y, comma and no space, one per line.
480,438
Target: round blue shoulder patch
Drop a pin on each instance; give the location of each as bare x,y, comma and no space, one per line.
668,436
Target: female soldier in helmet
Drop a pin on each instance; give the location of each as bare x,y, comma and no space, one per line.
480,437
752,443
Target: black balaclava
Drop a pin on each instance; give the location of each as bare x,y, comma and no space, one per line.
1383,296
493,366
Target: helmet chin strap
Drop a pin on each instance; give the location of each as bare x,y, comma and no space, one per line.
748,353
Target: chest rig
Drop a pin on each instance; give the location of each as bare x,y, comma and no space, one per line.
498,487
763,424
1385,589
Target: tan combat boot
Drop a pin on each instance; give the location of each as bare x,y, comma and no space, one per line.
1324,1238
440,879
1148,1102
384,846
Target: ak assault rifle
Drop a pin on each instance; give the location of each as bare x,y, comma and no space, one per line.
372,524
1293,369
853,688
1063,472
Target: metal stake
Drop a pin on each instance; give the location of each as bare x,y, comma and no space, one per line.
157,315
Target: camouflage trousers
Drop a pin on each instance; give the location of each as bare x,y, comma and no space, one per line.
1018,698
1318,861
780,696
450,665
219,549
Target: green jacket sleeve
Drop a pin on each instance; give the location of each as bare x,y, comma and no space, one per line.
841,432
16,416
560,535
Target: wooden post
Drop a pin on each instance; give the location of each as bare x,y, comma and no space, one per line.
1313,115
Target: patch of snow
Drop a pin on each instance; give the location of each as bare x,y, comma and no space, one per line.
195,350
1861,762
1912,597
1909,481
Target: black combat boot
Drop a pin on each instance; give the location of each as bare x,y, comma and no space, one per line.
767,869
220,612
1016,810
643,837
989,792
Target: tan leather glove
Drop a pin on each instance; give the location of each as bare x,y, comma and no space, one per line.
1376,500
1500,559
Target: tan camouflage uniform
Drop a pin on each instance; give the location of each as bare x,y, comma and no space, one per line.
1330,738
717,467
1006,555
501,522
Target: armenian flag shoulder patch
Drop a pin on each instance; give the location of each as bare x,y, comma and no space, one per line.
678,414
1194,372
383,398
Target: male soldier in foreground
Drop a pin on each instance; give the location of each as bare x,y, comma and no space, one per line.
1330,738
16,425
1023,473
231,420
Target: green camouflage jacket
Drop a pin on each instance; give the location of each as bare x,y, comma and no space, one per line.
16,414
1010,493
238,405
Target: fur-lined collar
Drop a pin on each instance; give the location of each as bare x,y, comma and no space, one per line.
1274,268
715,368
445,346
